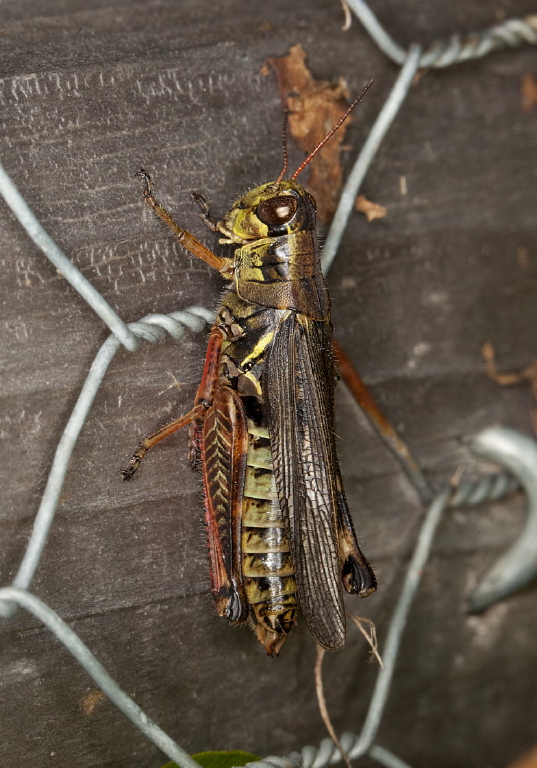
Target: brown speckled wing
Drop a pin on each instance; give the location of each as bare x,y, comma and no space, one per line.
299,392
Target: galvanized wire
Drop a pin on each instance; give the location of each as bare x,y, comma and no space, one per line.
107,684
363,744
153,327
382,124
442,53
54,253
518,566
458,47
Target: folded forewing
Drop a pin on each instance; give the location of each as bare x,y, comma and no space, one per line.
299,381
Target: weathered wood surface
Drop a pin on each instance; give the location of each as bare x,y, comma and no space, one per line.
90,92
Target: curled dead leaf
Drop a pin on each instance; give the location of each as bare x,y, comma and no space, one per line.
314,107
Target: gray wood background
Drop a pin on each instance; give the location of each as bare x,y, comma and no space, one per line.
91,91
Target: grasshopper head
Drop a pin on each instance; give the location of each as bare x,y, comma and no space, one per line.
271,210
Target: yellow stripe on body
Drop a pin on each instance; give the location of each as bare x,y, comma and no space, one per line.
258,351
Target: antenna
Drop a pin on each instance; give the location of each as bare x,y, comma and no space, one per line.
330,133
284,146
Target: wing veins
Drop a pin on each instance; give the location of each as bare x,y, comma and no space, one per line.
301,421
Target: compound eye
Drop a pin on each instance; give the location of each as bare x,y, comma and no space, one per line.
277,210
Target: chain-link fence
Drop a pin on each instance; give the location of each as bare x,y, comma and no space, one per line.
513,573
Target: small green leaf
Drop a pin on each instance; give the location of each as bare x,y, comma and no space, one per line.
232,759
235,757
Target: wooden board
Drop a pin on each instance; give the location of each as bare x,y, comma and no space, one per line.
92,91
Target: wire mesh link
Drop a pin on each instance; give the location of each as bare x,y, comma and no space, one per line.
54,253
154,327
489,488
87,660
517,567
357,746
511,33
151,328
458,47
382,124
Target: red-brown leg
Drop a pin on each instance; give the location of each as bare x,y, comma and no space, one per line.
187,240
196,413
204,397
224,446
380,423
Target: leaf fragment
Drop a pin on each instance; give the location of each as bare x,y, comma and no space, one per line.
314,107
371,210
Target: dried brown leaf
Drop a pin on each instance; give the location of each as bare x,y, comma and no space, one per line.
314,107
371,210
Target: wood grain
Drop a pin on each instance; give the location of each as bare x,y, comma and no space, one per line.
91,91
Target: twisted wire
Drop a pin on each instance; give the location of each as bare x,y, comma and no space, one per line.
98,673
441,53
474,45
458,47
327,754
469,493
151,328
63,264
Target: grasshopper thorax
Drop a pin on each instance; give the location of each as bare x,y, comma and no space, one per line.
273,209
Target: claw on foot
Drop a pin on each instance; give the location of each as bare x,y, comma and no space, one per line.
133,466
148,182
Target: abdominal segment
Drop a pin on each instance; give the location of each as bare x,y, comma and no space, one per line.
267,567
